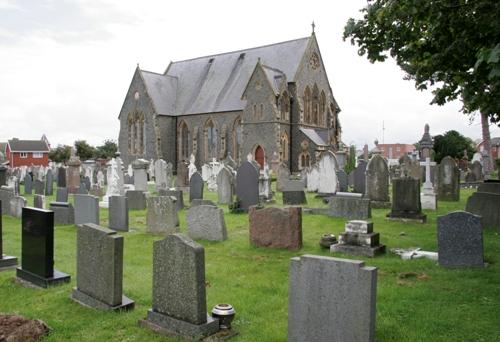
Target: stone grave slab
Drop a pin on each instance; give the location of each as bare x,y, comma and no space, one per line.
118,213
206,222
162,215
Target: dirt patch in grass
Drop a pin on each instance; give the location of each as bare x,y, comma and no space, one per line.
14,328
406,278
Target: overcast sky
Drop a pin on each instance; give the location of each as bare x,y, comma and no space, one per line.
65,66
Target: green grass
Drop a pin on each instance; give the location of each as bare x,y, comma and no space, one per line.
437,305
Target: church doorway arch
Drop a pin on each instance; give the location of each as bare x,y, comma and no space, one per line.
259,155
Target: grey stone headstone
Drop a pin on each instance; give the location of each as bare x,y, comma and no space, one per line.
343,181
377,179
359,178
247,185
39,201
178,194
99,269
331,299
448,180
118,213
39,187
489,187
28,184
61,177
62,195
283,177
294,197
477,171
136,199
349,207
206,222
162,215
6,194
86,209
196,202
225,186
196,186
406,200
140,167
82,189
49,183
64,213
6,261
3,175
460,240
486,205
179,297
17,203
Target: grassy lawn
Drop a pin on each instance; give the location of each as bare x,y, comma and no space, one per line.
435,304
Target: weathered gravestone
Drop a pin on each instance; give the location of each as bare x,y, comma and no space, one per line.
359,178
6,194
99,269
350,206
313,179
37,256
64,213
460,240
489,187
140,167
162,215
28,184
377,182
136,199
359,239
178,194
197,202
49,183
61,177
477,171
331,299
247,185
17,203
39,201
448,180
39,187
62,195
225,181
182,178
276,227
293,192
283,177
327,169
6,261
160,167
196,186
343,181
486,205
118,213
406,200
206,222
86,209
73,175
179,297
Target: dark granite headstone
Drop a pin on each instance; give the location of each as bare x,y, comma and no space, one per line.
343,181
294,197
349,206
62,195
448,180
179,297
6,261
406,200
99,269
64,213
486,205
61,177
37,264
489,187
460,240
136,199
195,186
3,175
86,181
377,182
247,185
118,213
49,183
39,187
28,184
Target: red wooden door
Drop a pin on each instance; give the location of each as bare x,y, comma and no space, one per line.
259,156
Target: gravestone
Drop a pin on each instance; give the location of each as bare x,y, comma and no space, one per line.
327,168
136,199
99,269
39,201
349,206
293,192
28,184
179,295
477,171
195,186
406,200
140,167
343,181
162,215
161,180
486,205
62,195
17,203
39,187
49,183
489,187
3,175
283,177
73,175
82,190
460,240
247,185
37,260
64,213
197,202
377,182
86,209
118,213
313,179
6,261
182,178
61,177
331,299
428,195
206,222
448,180
6,194
225,181
359,178
276,227
359,239
178,194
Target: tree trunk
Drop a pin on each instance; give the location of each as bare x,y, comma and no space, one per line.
486,145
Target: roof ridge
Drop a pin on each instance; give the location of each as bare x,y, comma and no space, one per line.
273,69
157,73
241,50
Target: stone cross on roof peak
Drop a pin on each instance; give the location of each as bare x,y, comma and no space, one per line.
313,25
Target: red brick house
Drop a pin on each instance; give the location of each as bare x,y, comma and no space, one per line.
495,147
27,152
395,151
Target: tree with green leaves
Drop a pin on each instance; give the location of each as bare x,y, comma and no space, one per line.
84,150
452,46
452,144
60,154
107,150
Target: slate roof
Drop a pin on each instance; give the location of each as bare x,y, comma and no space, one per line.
216,83
17,145
315,136
276,78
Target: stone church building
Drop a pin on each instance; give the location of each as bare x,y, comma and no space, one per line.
272,101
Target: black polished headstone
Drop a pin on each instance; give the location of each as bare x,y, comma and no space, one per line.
37,265
406,200
6,261
247,185
61,177
195,186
